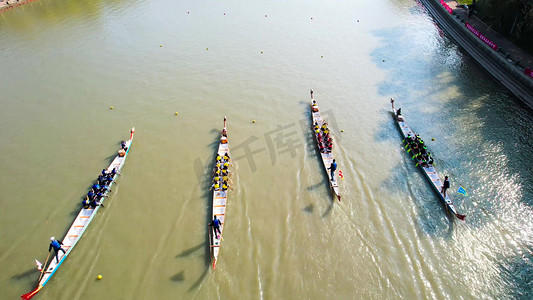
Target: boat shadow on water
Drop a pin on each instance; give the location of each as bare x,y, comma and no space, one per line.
25,274
204,174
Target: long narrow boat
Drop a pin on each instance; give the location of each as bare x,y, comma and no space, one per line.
428,169
327,156
220,193
78,227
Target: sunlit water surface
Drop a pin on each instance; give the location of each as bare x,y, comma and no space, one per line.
65,62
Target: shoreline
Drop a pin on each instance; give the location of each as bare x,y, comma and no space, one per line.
6,5
497,62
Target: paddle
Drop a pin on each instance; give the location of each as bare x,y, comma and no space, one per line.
43,269
460,217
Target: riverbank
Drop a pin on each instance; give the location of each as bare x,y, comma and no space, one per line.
6,5
500,58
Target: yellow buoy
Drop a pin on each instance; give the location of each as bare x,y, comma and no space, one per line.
322,56
160,45
99,277
253,121
432,139
176,113
261,51
111,107
206,48
342,130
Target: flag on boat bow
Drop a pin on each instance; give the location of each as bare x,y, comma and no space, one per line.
340,175
462,190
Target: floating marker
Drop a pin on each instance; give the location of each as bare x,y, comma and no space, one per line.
432,139
187,12
99,277
383,60
253,121
176,113
342,130
224,13
206,48
160,45
265,16
111,107
357,21
261,51
321,56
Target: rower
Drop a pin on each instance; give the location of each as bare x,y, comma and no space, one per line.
430,159
219,158
86,202
123,145
399,111
215,186
95,188
94,203
225,178
114,172
101,195
316,125
324,126
226,156
224,185
224,133
90,195
104,172
226,165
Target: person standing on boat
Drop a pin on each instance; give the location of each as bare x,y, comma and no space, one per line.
56,245
333,167
216,226
445,186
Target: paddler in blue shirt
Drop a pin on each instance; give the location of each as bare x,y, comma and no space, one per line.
216,226
56,245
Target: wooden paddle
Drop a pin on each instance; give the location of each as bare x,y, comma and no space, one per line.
44,266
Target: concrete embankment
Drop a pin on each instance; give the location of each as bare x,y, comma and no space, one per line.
498,66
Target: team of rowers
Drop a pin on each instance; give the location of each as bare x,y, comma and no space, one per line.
418,150
221,171
100,188
325,144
